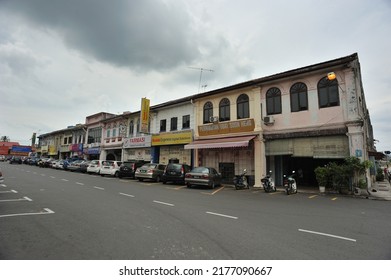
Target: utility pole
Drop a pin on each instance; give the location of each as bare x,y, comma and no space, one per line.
201,70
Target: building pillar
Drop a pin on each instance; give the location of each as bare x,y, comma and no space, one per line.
259,164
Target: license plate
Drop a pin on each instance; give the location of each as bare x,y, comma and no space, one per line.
196,177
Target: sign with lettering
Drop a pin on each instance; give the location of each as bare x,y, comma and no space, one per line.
137,142
144,115
226,127
172,138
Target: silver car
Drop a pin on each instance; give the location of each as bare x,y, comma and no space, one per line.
203,176
152,171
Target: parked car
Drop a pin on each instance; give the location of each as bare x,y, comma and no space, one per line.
84,165
43,162
152,171
2,158
175,172
128,168
59,164
54,163
16,159
110,167
75,165
94,167
203,176
1,177
33,161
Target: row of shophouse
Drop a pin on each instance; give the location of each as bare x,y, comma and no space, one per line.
295,120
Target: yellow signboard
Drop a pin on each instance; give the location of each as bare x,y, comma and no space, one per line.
172,138
52,150
144,115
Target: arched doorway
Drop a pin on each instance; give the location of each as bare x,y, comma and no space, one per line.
110,157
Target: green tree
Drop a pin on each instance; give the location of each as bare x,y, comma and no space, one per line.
4,139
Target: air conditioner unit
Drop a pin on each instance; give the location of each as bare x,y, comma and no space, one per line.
268,120
214,119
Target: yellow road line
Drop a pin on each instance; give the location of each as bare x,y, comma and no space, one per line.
312,196
334,198
216,191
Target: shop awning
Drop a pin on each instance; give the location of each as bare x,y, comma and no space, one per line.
228,142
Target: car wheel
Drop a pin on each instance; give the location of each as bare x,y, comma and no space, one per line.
164,182
102,175
116,174
188,185
157,179
140,179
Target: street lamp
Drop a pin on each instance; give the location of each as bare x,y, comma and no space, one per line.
331,76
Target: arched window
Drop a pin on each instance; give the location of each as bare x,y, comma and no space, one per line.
273,101
208,111
243,107
328,94
224,110
299,100
131,129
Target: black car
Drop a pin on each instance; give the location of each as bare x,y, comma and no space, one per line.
16,160
128,168
175,172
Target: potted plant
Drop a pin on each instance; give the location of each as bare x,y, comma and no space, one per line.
322,177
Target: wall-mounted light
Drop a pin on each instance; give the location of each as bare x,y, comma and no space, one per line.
331,76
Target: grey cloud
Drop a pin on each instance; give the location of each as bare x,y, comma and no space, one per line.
148,35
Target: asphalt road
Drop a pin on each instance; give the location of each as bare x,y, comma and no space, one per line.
53,214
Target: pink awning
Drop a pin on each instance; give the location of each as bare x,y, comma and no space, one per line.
228,142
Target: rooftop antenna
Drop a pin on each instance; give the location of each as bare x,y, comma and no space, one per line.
201,70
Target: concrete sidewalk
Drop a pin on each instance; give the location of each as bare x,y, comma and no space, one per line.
381,191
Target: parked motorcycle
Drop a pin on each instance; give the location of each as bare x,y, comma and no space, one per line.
268,184
241,182
290,184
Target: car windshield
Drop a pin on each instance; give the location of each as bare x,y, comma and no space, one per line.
175,166
203,170
150,165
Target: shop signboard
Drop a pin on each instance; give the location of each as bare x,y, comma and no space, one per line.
76,147
144,115
239,126
20,150
137,142
172,138
52,150
92,151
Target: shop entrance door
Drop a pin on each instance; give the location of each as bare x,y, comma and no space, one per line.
227,170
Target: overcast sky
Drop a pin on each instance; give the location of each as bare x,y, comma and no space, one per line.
62,60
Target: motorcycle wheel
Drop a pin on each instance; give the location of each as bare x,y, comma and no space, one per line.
237,187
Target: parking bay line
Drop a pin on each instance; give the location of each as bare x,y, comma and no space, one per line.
222,215
164,203
78,183
99,188
11,191
176,188
125,194
329,235
212,193
17,199
47,211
